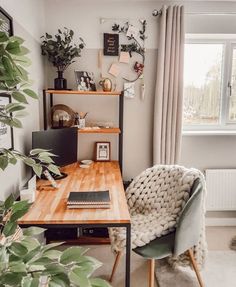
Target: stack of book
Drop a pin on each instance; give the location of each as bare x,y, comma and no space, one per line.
89,199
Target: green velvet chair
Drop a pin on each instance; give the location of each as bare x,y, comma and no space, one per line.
181,240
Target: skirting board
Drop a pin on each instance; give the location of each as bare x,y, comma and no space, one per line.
220,221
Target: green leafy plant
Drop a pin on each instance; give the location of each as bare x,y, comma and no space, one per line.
60,48
25,262
15,82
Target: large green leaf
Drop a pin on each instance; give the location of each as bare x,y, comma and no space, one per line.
51,246
52,254
3,162
30,93
55,268
9,228
36,151
17,267
31,231
37,168
13,107
19,97
18,249
11,279
17,39
53,168
9,201
30,243
59,280
72,254
13,48
79,278
97,282
3,37
7,65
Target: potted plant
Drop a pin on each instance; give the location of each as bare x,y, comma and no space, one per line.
23,260
61,51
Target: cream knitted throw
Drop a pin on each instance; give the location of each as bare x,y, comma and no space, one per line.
156,198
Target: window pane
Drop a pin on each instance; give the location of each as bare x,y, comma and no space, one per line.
202,83
232,101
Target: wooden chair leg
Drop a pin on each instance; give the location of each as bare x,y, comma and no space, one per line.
151,272
117,259
195,267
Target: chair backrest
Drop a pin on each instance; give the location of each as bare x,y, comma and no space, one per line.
189,224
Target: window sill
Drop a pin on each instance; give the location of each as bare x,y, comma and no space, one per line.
210,133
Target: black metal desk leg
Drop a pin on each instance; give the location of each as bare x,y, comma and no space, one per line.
128,252
44,110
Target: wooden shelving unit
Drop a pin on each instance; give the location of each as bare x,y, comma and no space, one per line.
100,131
116,130
83,93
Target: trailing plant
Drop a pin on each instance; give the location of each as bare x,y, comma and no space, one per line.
60,49
26,262
15,82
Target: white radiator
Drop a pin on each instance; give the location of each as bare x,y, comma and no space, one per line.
221,189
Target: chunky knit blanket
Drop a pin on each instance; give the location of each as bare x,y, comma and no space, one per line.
156,198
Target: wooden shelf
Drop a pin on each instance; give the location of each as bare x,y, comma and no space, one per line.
84,93
100,131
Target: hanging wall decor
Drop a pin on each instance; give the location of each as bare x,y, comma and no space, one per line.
111,44
137,45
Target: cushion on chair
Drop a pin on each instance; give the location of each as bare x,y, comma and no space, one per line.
158,248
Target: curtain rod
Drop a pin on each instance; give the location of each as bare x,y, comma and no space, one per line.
156,13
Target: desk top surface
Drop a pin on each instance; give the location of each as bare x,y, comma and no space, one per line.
50,204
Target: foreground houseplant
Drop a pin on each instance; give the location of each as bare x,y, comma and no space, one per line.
23,260
26,262
61,51
15,82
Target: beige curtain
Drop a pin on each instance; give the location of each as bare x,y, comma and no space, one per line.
169,86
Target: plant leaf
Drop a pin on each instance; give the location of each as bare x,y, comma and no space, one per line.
3,162
31,231
97,282
30,93
19,97
72,254
9,228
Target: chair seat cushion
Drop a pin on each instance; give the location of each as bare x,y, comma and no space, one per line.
158,248
145,228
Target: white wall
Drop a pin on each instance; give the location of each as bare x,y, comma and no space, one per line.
84,18
28,18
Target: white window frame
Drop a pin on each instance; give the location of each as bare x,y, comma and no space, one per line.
224,125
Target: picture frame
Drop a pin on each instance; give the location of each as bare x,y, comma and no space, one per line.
85,81
6,132
110,44
8,22
102,151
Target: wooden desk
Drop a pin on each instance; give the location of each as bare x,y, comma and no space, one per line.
49,208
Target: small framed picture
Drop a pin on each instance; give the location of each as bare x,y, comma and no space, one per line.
102,151
6,132
7,25
85,81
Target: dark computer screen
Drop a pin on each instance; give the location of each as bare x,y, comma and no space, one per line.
62,142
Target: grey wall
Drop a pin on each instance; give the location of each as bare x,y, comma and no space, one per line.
84,18
28,18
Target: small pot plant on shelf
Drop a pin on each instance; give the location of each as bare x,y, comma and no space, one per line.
61,51
24,261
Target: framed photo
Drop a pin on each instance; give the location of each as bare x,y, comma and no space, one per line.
7,25
85,81
6,132
102,151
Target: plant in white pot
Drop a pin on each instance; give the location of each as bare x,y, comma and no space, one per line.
61,51
23,260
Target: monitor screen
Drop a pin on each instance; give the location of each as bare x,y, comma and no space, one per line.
62,142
